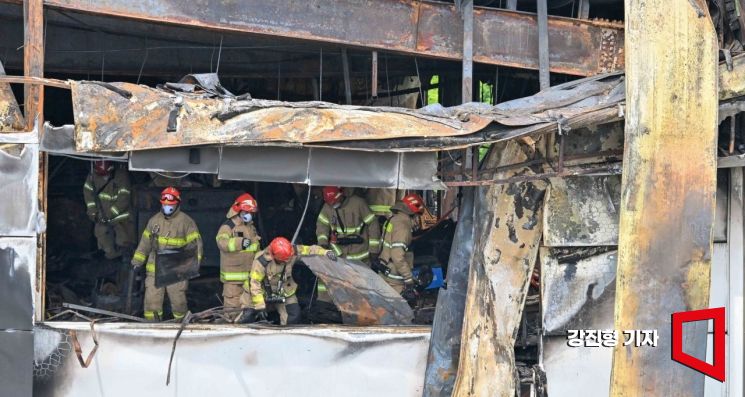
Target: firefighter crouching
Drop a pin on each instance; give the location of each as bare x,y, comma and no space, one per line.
238,242
347,226
107,198
271,286
170,229
395,262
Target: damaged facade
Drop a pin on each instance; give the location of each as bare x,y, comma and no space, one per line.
567,187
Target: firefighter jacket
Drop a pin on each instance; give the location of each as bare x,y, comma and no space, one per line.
235,261
353,218
107,198
266,270
380,200
177,231
396,239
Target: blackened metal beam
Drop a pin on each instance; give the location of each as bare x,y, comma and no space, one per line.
467,79
432,29
543,61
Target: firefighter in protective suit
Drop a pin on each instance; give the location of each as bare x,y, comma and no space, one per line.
238,242
107,198
347,226
396,262
271,285
170,229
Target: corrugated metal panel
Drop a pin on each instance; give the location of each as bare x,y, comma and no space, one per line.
332,361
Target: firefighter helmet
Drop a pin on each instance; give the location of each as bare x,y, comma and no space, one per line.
102,167
332,194
245,202
281,249
415,202
170,196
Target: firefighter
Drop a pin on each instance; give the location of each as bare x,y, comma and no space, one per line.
107,197
396,262
238,242
380,201
171,229
347,226
270,284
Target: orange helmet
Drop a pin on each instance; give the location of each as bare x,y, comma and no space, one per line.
245,202
102,167
281,249
170,196
415,202
332,194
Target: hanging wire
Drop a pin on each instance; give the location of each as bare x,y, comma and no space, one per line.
219,53
320,77
142,66
421,94
387,83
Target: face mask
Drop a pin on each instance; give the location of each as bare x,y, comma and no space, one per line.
168,209
246,216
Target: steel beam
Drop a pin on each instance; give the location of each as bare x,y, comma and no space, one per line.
500,37
669,185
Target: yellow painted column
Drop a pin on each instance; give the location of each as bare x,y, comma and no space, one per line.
669,182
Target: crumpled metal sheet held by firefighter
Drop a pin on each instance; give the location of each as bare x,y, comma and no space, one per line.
669,184
225,360
128,117
582,211
444,347
508,233
362,296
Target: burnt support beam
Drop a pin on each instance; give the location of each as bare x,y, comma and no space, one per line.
33,61
345,72
667,206
467,79
543,52
422,28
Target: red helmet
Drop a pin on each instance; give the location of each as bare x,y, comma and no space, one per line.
170,196
415,202
281,249
332,194
245,202
102,167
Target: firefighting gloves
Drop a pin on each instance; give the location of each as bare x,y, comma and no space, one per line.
246,243
331,255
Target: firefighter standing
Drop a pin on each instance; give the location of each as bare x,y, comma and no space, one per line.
270,284
380,200
395,262
168,229
107,198
238,242
347,226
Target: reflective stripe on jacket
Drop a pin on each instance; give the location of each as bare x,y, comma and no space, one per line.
176,231
352,218
113,198
235,262
396,240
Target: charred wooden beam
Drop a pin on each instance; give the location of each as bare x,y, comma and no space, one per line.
33,60
500,37
11,118
667,206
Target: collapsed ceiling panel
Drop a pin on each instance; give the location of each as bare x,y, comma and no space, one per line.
128,117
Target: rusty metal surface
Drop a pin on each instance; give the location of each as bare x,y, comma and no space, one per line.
667,206
507,234
732,82
11,118
136,117
582,211
433,29
444,347
122,117
362,296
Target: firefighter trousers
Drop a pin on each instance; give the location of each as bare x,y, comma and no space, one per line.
113,237
231,297
154,298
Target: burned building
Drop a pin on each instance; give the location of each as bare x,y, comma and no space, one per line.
581,165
